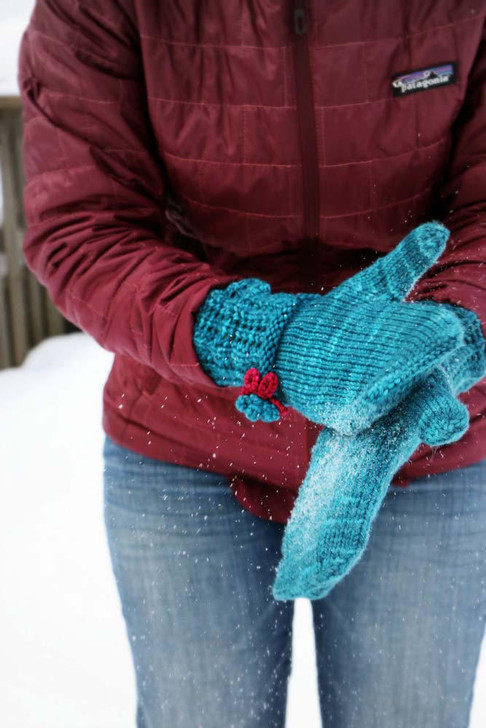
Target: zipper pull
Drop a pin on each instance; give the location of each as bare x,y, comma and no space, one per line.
300,21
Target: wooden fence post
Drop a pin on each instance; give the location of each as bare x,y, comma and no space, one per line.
27,313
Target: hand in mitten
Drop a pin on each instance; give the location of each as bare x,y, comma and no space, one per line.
343,359
348,476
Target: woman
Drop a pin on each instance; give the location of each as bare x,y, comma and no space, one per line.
172,149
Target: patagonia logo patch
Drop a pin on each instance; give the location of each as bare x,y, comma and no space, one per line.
423,79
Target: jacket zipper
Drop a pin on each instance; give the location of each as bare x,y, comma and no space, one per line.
307,125
310,162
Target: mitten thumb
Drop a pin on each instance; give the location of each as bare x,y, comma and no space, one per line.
442,418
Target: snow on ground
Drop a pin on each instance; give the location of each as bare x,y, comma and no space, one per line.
65,661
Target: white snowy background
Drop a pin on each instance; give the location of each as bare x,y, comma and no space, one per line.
14,16
64,655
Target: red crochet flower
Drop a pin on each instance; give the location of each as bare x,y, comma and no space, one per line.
264,387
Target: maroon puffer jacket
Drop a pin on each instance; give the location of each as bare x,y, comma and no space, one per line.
172,147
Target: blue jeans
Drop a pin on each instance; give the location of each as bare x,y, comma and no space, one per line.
397,641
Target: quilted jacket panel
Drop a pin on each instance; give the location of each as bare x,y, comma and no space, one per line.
172,147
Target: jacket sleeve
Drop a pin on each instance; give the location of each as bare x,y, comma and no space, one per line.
459,276
94,190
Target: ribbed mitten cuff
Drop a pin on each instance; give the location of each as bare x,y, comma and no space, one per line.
237,331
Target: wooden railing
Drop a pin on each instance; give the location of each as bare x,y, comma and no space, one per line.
27,314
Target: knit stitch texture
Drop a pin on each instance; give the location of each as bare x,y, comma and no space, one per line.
343,359
237,328
347,358
348,476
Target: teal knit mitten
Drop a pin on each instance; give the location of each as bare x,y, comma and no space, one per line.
348,476
343,359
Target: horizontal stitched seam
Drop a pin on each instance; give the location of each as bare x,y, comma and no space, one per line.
215,161
211,45
408,35
381,100
321,166
211,103
82,98
335,45
60,169
76,214
382,207
33,28
128,149
327,217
